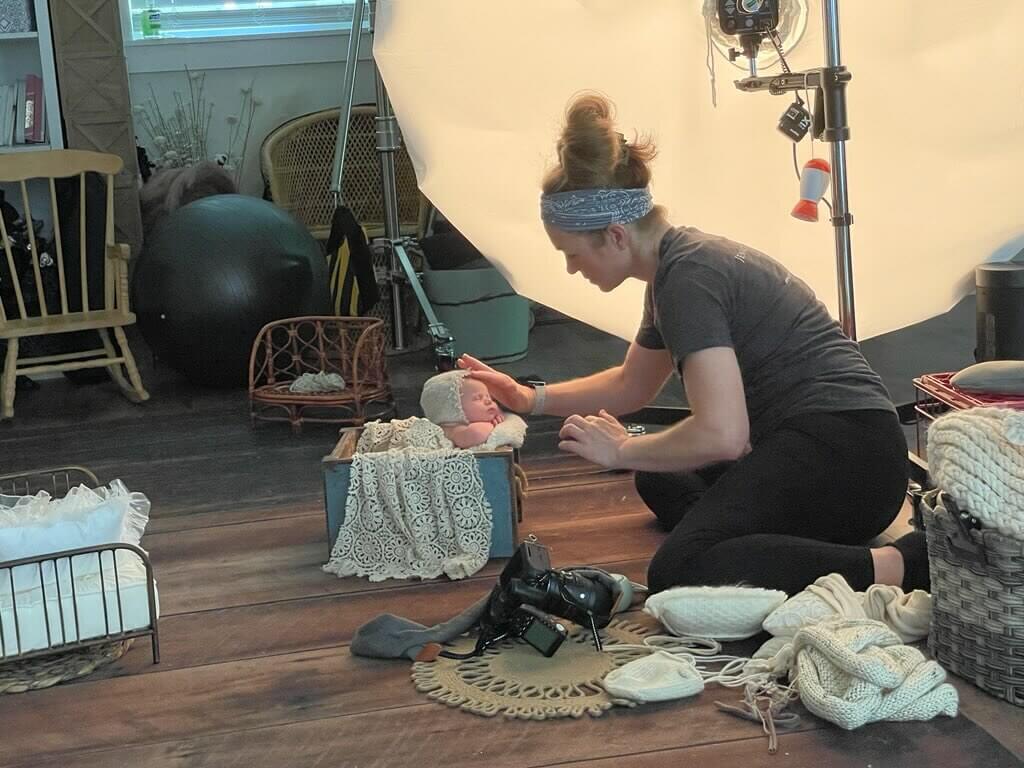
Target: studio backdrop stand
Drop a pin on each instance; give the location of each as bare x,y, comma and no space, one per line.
829,125
388,142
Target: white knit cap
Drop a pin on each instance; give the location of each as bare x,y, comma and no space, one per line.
441,399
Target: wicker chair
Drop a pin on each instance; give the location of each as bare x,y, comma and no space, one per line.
297,160
353,347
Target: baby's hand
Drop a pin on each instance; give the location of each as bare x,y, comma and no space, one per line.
498,419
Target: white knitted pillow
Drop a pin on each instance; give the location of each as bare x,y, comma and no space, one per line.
722,613
800,610
977,457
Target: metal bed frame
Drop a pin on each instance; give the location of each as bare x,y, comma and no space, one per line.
58,481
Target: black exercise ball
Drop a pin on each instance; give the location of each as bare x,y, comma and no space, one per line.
213,273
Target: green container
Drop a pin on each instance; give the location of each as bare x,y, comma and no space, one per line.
486,317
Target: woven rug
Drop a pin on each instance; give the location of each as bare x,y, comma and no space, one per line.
514,680
45,671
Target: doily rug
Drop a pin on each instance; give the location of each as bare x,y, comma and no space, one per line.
512,679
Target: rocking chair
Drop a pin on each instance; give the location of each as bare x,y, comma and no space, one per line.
89,299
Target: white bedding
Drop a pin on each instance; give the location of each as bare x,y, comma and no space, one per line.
127,602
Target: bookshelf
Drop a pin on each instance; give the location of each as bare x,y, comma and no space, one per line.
25,53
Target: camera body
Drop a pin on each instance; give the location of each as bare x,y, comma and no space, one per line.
528,590
743,17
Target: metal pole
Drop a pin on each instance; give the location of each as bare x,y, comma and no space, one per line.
388,141
841,219
347,94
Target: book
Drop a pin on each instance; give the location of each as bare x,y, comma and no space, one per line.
34,132
20,121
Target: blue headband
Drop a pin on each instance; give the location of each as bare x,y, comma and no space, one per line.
588,209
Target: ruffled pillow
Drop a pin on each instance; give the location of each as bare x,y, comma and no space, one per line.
39,525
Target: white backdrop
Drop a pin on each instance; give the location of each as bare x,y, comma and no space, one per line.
936,110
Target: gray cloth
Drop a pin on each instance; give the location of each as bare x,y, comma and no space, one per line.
392,637
793,356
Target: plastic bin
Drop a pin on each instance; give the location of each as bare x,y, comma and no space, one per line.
487,318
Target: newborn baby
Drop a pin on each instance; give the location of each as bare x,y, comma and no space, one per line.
462,407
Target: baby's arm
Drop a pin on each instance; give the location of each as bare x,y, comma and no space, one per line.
469,435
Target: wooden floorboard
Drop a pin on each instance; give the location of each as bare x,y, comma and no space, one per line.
250,631
256,667
311,502
946,743
280,559
333,709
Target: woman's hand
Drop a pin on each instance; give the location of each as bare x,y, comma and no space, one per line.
503,388
595,438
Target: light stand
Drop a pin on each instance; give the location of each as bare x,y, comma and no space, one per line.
829,85
388,142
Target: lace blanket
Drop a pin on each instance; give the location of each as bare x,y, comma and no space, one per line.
416,507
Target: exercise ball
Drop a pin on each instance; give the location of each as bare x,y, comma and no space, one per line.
213,273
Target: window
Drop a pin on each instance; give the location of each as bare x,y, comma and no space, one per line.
157,19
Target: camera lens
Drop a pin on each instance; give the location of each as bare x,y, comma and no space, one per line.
750,6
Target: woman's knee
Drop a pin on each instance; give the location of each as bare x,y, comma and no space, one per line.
678,563
668,495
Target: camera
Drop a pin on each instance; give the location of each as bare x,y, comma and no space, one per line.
740,17
529,593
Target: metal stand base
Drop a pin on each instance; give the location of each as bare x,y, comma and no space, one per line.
388,142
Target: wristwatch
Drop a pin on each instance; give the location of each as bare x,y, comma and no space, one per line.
539,395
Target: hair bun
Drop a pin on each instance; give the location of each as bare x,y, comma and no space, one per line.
594,154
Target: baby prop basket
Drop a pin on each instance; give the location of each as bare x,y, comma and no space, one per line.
977,578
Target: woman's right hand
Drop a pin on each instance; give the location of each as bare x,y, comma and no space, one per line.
503,388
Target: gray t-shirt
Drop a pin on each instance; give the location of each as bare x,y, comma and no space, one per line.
793,356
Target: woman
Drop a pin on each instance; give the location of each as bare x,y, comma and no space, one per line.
793,455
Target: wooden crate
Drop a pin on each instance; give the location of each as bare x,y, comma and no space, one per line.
497,469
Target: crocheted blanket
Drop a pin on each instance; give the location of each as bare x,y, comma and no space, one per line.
416,507
977,457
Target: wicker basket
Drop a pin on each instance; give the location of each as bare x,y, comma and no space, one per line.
977,578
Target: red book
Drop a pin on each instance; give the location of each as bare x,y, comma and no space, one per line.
34,108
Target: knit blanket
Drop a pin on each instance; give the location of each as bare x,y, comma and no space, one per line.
416,507
977,457
831,597
510,433
857,671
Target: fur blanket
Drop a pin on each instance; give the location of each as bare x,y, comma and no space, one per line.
170,189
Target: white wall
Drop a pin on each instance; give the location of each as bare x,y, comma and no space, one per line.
291,76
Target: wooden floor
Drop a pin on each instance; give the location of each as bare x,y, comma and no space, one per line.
255,666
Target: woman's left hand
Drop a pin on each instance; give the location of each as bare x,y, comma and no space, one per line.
595,438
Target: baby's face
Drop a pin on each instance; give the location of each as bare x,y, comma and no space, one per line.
476,401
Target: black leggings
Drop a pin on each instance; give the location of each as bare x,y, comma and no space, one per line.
801,505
